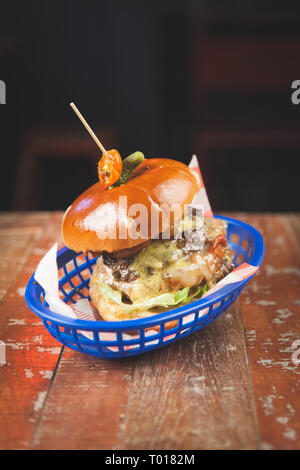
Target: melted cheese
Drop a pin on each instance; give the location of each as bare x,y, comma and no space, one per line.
151,264
164,267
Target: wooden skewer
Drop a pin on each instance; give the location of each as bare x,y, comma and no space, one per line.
90,131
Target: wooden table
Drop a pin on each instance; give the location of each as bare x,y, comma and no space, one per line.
232,385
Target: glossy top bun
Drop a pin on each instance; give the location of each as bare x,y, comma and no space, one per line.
100,220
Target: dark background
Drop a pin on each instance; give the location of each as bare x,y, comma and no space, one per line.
169,78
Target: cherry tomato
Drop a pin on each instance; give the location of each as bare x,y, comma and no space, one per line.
110,167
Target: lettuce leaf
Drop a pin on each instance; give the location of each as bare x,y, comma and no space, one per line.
199,292
163,300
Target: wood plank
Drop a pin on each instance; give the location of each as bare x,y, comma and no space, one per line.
14,249
86,406
31,353
193,394
25,219
294,221
271,307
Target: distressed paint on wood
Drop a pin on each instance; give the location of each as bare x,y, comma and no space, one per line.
116,404
271,318
31,353
194,394
87,404
14,249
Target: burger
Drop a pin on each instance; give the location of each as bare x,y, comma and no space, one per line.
154,249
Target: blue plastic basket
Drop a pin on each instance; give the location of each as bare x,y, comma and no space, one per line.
246,245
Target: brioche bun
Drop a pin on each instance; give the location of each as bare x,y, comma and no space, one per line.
156,183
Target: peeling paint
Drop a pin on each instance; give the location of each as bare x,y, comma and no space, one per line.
278,240
46,374
38,339
286,337
272,271
257,288
250,335
50,350
277,321
290,434
15,345
282,419
267,404
286,364
267,342
28,373
21,291
38,251
284,313
38,403
266,446
15,321
290,408
288,349
265,303
265,362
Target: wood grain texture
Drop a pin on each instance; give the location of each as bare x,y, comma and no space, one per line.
87,404
194,394
198,393
17,220
31,353
14,248
188,395
271,307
